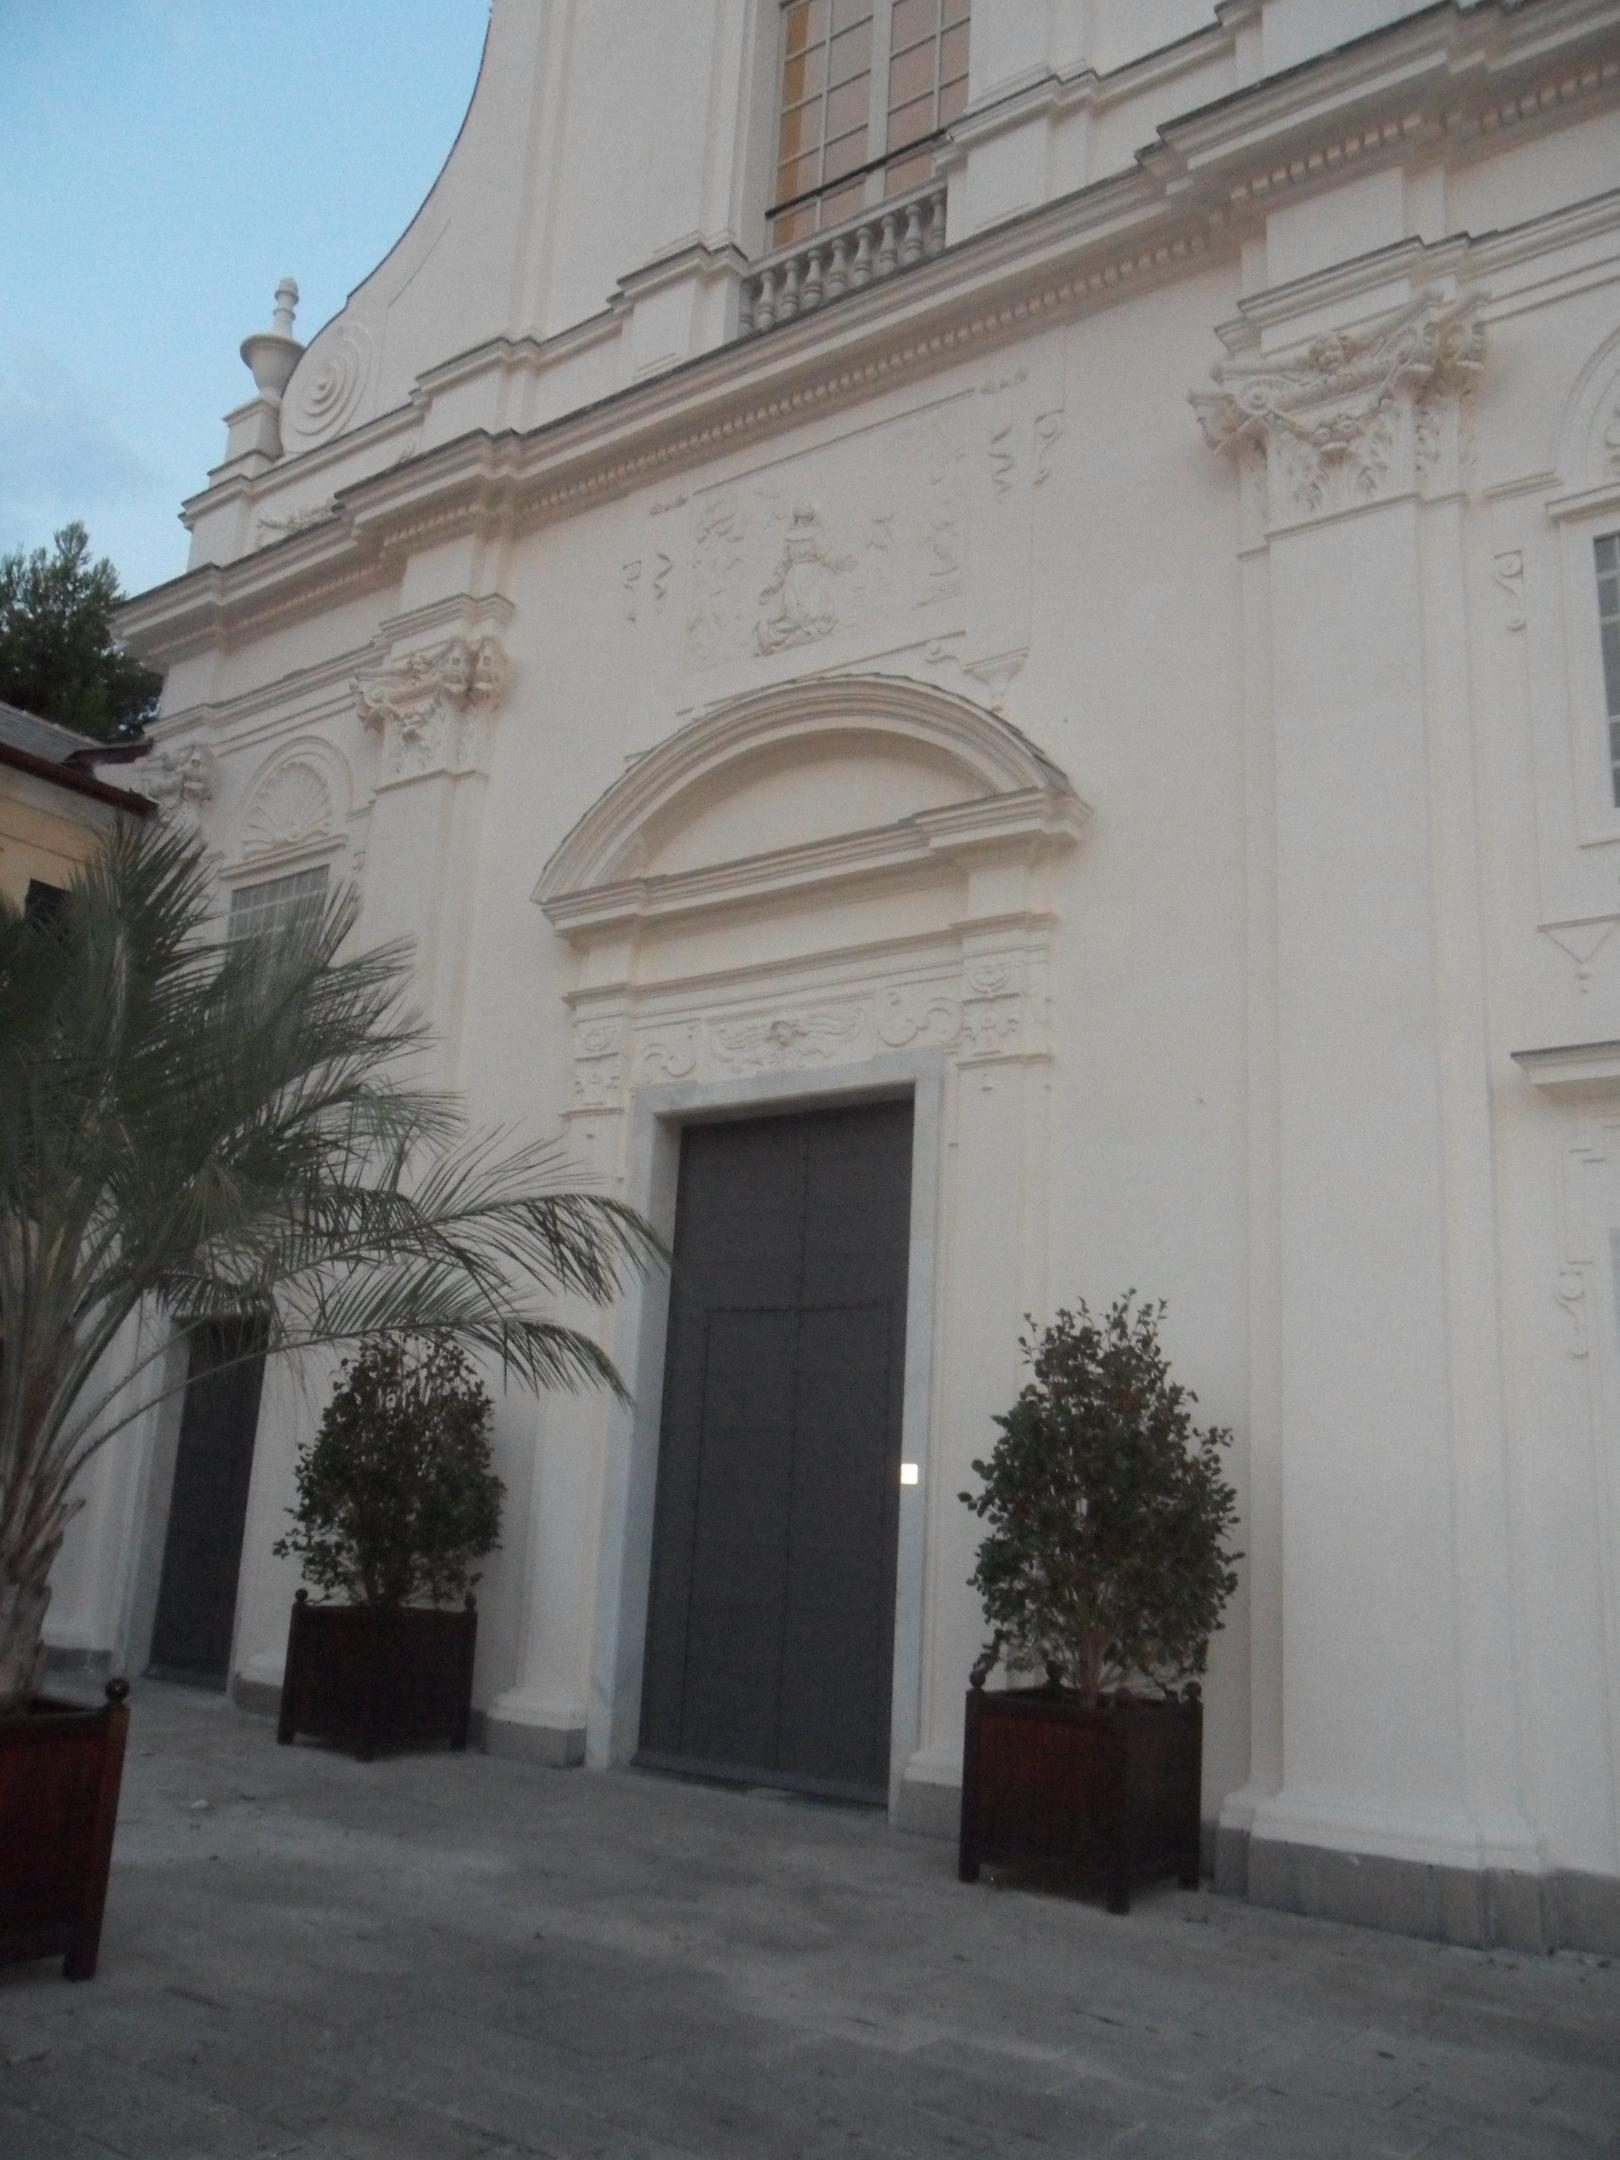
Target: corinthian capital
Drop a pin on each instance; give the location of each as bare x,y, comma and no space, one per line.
431,708
1357,416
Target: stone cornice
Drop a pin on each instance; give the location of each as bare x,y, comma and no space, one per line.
1588,1070
1020,827
1442,75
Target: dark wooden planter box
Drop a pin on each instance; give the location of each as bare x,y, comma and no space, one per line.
60,1769
378,1676
1105,1798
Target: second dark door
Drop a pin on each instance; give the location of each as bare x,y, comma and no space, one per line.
202,1550
770,1631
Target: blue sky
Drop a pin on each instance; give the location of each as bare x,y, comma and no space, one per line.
162,164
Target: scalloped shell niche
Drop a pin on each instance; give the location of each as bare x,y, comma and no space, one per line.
292,806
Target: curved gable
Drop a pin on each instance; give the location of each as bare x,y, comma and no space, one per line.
803,784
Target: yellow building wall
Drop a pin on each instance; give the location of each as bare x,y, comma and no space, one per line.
45,831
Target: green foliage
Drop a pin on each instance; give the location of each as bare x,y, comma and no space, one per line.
193,1129
58,658
1104,1559
396,1496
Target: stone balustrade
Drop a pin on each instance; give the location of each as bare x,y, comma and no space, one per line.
892,236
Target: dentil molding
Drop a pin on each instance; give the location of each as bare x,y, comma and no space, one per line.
1354,417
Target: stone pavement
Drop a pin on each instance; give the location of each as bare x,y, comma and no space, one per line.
439,1957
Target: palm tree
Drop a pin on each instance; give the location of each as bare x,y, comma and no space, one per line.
219,1129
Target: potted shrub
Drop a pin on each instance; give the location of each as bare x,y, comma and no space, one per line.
1105,1567
60,1769
396,1502
194,1128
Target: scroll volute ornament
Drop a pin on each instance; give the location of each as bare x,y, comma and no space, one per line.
1355,416
430,708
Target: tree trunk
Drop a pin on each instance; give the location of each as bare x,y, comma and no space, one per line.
1091,1670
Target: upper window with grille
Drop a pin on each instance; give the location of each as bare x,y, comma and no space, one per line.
1607,549
271,905
867,88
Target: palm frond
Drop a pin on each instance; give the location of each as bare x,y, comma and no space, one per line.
212,1127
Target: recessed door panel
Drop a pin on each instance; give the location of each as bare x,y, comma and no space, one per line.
771,1618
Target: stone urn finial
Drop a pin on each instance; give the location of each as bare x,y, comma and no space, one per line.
273,354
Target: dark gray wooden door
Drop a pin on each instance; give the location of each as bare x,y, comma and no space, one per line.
202,1551
770,1630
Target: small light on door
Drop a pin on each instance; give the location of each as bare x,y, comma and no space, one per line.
908,1473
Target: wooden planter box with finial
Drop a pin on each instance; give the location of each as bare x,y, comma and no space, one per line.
378,1677
61,1765
1101,1798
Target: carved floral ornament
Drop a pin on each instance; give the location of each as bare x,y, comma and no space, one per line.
988,1012
1357,416
971,870
431,708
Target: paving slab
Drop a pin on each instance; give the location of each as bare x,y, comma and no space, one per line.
442,1957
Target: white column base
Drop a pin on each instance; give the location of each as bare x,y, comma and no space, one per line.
536,1727
927,1799
1426,1837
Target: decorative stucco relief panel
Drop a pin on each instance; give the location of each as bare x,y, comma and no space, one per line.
598,1064
790,1039
958,964
981,1013
910,537
827,543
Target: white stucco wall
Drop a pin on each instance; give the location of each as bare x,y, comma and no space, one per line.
1332,701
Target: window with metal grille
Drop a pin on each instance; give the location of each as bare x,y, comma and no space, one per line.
868,87
263,909
1607,549
43,903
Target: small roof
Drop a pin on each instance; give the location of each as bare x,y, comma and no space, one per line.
43,738
65,759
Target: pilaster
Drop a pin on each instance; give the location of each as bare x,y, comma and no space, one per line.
1024,67
429,700
1385,1711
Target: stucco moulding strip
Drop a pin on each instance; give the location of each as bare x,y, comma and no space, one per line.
1028,821
1117,235
305,466
351,553
532,355
829,972
1445,71
1586,502
1575,1071
1400,270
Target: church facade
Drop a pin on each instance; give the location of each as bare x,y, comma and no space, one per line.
981,647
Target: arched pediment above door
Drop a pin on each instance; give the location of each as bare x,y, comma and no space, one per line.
842,780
